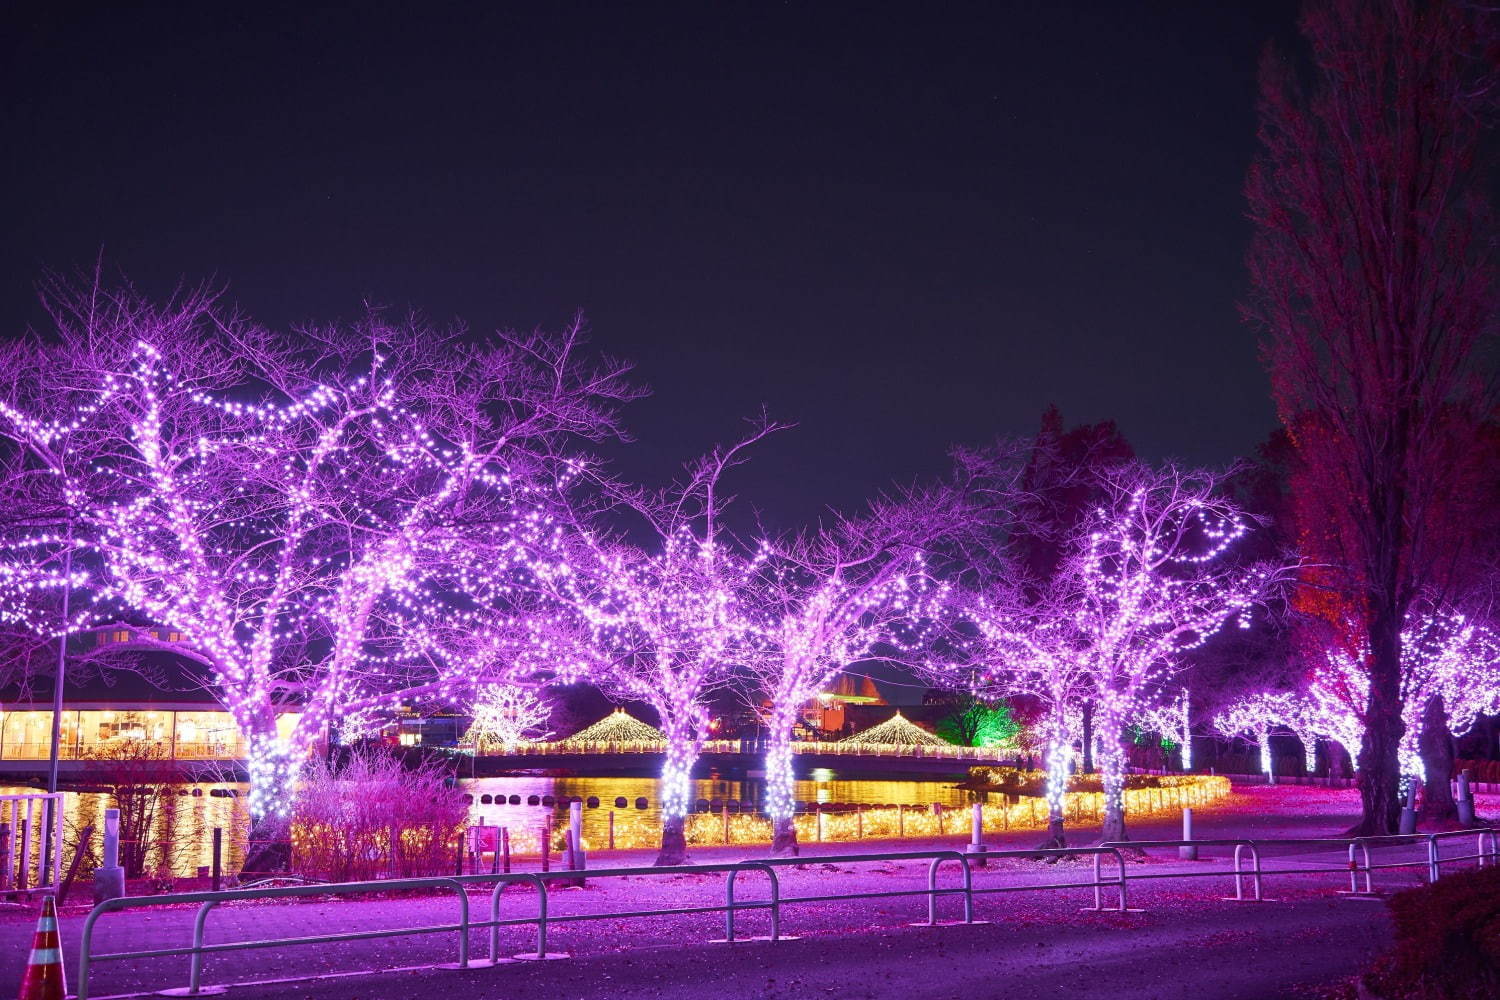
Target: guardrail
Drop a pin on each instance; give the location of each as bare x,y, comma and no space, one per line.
1486,851
746,748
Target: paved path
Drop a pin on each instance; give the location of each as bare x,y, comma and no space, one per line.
1187,943
1219,953
1310,934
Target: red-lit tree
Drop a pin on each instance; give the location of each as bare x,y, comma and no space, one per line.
1373,282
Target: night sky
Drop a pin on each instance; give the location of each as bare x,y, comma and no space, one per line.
900,226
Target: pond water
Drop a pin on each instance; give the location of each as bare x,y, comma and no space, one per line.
181,825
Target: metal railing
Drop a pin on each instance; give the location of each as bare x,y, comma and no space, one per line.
31,837
209,900
1247,867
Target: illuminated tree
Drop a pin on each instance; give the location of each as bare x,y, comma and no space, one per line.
828,600
1147,578
1449,663
1372,268
1169,715
1258,715
977,723
1018,651
663,624
293,511
505,716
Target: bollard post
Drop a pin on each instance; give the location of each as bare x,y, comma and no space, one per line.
575,830
901,820
218,858
1187,853
976,836
1465,800
611,829
1409,810
109,878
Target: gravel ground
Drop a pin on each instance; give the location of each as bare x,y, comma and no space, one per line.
1186,943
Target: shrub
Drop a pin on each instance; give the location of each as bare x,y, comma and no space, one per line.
1447,941
372,816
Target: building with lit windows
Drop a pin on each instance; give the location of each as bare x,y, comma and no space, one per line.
121,714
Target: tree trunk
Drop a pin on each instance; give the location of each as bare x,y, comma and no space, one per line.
781,802
1112,768
272,784
1059,749
1088,737
1436,745
673,842
1379,751
784,838
676,798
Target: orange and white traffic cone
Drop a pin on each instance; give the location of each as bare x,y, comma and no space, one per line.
44,979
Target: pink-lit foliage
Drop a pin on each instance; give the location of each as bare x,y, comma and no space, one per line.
1018,649
830,599
1257,715
505,714
665,622
296,509
1444,654
1147,577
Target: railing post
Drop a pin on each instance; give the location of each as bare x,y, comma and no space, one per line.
729,905
541,921
463,925
1255,860
195,967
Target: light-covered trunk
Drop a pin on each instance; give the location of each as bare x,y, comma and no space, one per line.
781,798
272,770
1059,750
676,793
1112,775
